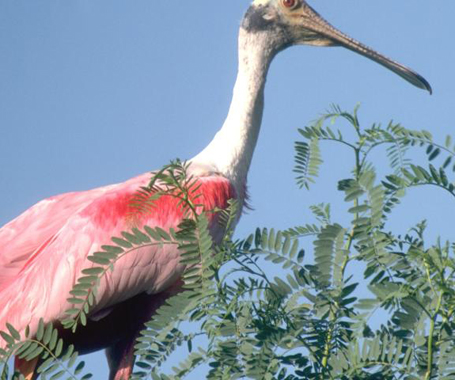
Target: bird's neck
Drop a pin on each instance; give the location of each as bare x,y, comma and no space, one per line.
231,150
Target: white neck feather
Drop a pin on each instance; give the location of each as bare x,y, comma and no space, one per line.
231,150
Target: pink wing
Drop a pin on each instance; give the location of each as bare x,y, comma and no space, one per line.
42,272
23,236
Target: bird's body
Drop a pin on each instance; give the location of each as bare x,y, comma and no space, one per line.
43,251
40,267
54,260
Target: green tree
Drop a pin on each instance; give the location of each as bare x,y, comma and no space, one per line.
260,308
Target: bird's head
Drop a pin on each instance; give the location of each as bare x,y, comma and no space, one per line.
294,22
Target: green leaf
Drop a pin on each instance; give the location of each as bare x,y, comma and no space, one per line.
40,330
79,368
8,338
164,235
327,242
47,334
131,238
434,154
359,209
112,249
122,242
152,233
14,333
99,260
93,271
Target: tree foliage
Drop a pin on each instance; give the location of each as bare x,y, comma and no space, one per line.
261,308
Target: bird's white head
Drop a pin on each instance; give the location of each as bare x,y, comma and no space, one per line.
270,26
294,22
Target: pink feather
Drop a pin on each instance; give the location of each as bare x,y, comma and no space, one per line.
45,249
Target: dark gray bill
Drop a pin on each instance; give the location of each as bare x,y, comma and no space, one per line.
315,23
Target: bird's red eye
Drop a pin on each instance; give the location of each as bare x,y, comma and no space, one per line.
289,3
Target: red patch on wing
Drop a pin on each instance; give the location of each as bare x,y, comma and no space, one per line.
115,207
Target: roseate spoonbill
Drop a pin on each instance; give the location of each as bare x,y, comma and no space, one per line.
44,250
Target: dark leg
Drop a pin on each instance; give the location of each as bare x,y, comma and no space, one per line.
120,355
120,358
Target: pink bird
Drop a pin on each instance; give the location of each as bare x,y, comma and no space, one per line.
44,250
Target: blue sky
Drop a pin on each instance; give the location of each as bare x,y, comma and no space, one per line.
95,92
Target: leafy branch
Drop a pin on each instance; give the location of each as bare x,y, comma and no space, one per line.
54,358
